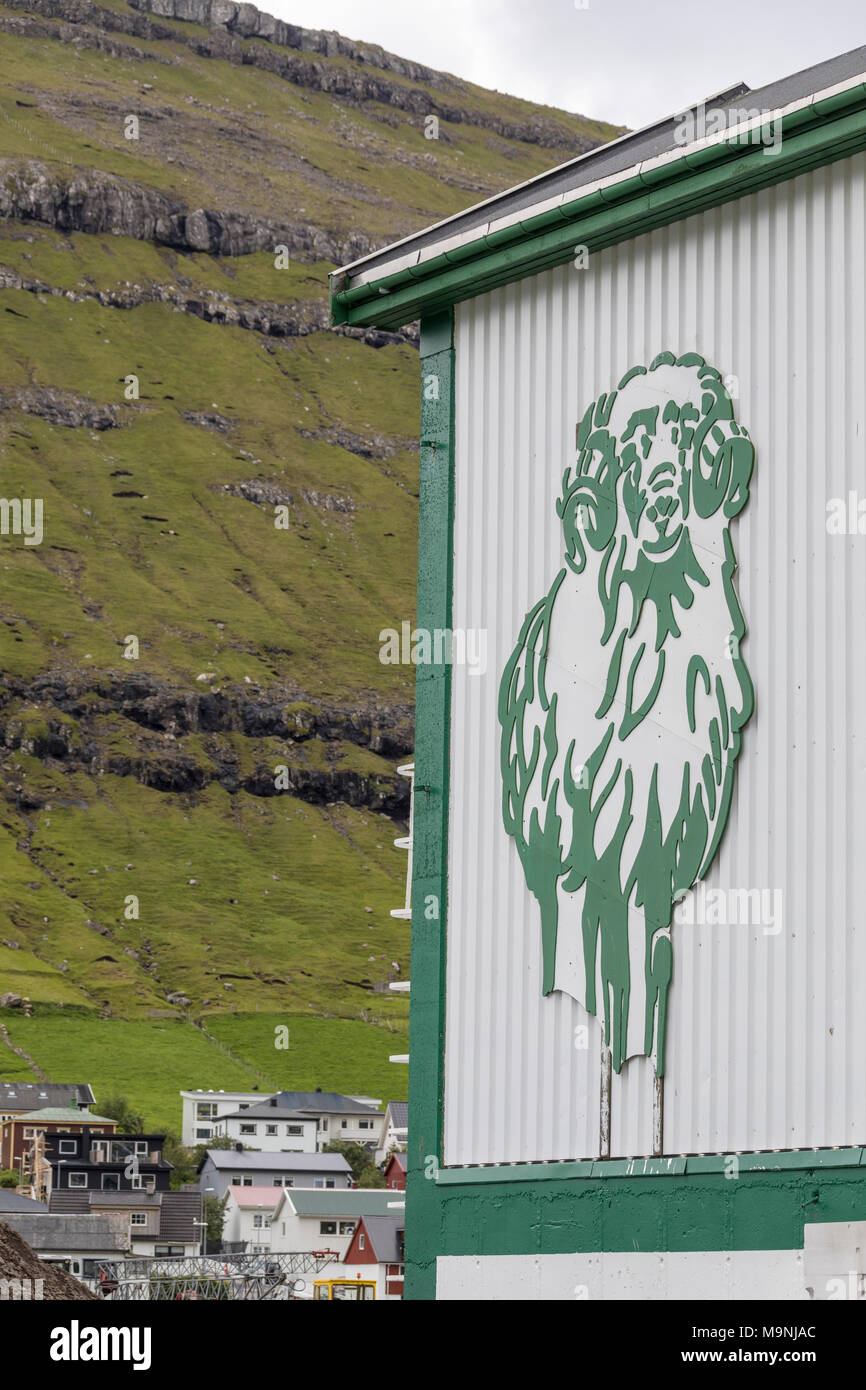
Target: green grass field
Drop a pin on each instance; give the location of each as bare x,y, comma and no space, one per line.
149,1062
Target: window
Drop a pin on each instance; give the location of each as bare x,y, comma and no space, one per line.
344,1124
246,1180
168,1250
323,1124
294,1129
137,1183
249,1129
205,1111
77,1179
365,1124
68,1146
111,1182
30,1134
236,1182
327,1228
138,1218
317,1182
203,1133
347,1228
261,1223
329,1182
361,1241
243,1107
271,1129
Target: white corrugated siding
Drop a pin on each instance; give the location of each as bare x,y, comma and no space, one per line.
767,1034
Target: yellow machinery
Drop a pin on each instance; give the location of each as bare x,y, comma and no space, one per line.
359,1290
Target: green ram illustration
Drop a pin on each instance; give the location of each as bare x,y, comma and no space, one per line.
623,703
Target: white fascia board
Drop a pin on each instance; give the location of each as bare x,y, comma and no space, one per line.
513,218
451,243
398,263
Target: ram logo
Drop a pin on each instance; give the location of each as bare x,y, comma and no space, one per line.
623,704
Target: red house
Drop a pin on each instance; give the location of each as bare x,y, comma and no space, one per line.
376,1252
395,1173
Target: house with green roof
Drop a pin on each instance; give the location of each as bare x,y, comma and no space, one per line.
307,1219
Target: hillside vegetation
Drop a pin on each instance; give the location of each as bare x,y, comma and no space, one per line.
198,743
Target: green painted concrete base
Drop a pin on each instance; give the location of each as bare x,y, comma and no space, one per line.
758,1210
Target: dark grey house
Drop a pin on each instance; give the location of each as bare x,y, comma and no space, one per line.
221,1169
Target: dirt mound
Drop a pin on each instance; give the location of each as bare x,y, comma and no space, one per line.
18,1261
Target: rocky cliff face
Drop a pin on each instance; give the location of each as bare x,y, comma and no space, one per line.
99,204
74,708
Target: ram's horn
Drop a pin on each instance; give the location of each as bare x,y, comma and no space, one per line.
588,513
722,461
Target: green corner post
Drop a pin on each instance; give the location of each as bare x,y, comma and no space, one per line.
429,877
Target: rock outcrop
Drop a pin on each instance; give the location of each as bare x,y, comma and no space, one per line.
89,201
294,320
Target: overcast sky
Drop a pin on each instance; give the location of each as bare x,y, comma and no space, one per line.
625,61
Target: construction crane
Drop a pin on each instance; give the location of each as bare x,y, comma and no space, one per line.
274,1277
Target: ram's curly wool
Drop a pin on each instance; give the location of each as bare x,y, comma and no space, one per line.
623,702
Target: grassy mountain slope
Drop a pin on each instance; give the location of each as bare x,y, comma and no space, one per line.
196,827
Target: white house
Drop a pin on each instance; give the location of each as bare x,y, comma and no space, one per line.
338,1117
395,1129
356,1119
307,1220
248,1215
201,1110
271,1128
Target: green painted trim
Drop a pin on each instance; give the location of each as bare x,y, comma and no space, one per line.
437,335
793,1160
819,134
430,840
758,1210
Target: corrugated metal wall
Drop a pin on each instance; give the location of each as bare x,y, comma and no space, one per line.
767,1033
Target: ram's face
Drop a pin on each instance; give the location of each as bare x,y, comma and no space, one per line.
655,449
662,467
